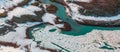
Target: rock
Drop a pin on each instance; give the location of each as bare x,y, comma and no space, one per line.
66,26
23,3
118,2
99,8
51,8
4,29
36,3
3,14
26,18
115,23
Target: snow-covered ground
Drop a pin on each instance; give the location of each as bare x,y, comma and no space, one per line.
91,42
9,3
17,40
29,10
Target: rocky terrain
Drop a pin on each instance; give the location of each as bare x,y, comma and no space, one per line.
16,16
21,22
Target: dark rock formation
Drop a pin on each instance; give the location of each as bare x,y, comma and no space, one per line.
9,44
66,27
4,14
36,3
51,8
7,28
29,18
99,7
115,23
23,3
26,18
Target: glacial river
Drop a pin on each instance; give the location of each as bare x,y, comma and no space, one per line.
77,29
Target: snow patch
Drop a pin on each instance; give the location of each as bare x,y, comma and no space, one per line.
49,18
9,3
2,10
19,11
10,49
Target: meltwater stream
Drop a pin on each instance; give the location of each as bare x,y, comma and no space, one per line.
77,29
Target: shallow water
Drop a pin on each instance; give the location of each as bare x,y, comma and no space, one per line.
77,29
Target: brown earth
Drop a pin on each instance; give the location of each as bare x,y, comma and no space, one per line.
51,8
99,7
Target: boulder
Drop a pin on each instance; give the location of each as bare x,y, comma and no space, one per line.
51,8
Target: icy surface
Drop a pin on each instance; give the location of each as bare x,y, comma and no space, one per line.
91,42
9,3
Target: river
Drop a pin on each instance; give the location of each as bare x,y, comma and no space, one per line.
77,29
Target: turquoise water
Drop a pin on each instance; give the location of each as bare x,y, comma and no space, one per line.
77,29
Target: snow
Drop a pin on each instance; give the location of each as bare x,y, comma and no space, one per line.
32,1
13,36
84,43
2,10
49,18
5,5
9,3
33,8
17,1
18,37
19,11
68,11
10,49
2,22
60,25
